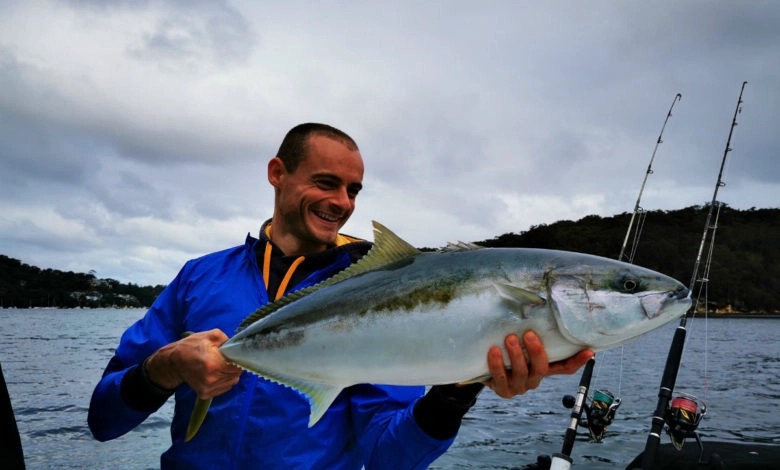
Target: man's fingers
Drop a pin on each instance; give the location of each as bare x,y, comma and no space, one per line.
517,358
529,364
203,367
572,364
496,365
537,357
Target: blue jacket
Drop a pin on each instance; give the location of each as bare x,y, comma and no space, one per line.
258,424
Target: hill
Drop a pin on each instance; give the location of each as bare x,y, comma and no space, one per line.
744,275
22,285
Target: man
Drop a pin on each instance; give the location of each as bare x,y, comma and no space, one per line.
317,175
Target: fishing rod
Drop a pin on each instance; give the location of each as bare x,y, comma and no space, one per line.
562,460
637,207
684,415
604,404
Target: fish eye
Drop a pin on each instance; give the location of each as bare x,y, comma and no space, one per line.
629,284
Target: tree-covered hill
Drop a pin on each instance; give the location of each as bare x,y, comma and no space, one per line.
744,275
22,285
745,272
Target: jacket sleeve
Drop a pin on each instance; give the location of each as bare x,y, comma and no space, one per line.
386,429
118,402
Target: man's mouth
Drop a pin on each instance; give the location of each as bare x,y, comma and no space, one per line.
327,217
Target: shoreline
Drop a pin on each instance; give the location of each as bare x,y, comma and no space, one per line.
739,315
698,314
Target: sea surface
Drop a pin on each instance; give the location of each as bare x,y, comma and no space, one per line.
53,358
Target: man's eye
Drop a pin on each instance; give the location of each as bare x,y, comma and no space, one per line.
353,190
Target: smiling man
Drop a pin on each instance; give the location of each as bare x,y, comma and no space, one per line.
314,198
254,423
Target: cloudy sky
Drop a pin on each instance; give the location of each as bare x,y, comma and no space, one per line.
134,135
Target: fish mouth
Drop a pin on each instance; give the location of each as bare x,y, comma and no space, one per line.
682,292
650,303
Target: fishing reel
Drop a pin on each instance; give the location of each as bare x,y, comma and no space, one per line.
599,414
683,416
603,407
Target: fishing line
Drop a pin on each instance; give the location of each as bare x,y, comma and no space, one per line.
599,355
637,235
707,269
620,374
649,172
703,291
604,358
641,217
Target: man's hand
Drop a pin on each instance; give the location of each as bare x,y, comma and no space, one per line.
527,374
196,361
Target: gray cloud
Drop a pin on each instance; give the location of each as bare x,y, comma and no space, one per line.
194,41
134,135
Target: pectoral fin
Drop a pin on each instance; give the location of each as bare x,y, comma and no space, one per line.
199,412
518,298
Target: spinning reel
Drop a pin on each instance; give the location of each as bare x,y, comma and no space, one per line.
599,413
683,417
602,411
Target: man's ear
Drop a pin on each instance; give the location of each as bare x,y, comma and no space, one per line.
276,171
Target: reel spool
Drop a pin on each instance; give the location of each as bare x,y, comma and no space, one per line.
683,417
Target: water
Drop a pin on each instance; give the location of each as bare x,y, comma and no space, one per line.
53,358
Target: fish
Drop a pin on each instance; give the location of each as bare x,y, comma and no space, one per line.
401,316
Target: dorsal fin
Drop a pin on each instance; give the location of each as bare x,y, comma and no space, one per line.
459,246
388,248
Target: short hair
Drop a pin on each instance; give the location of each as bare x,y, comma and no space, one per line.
295,145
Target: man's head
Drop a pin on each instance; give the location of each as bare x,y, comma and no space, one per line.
316,176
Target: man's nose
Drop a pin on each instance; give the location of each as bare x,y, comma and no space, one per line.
342,198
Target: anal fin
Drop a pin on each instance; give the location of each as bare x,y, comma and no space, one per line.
320,398
480,379
319,395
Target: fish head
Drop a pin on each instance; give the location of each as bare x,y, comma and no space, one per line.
601,303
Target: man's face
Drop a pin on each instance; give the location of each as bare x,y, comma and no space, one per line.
315,201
